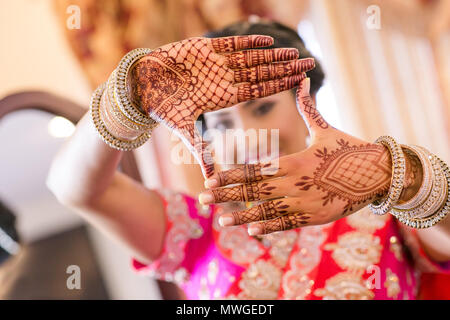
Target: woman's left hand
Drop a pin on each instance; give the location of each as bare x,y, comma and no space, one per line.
336,176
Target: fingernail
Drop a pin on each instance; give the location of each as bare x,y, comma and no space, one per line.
211,183
254,230
206,198
226,220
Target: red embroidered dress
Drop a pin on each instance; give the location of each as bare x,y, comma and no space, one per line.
362,256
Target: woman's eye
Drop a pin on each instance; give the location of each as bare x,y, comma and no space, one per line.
263,109
223,125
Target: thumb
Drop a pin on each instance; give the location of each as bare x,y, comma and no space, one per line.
198,147
314,121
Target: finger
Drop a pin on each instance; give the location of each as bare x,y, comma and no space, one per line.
253,191
251,58
282,223
307,108
235,43
272,71
264,211
247,91
198,147
247,173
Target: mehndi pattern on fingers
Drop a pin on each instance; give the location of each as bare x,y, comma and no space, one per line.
265,72
251,58
247,91
234,43
311,111
247,173
283,223
245,192
265,211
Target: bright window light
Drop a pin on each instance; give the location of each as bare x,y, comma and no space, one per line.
60,127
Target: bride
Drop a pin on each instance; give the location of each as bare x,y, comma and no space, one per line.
329,197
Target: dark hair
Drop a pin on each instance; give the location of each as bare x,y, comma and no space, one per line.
283,37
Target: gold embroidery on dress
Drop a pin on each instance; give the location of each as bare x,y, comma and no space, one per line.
364,220
213,270
244,249
355,250
392,284
396,248
345,286
280,244
260,281
295,283
183,229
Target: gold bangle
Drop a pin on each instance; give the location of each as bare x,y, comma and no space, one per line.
105,135
437,205
431,220
382,206
427,179
121,118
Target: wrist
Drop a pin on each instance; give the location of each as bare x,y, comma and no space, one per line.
413,178
133,88
412,181
110,116
384,182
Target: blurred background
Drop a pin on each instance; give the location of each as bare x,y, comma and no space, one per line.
388,72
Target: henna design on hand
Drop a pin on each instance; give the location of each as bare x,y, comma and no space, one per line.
265,211
245,192
354,174
266,72
310,109
177,82
231,44
247,173
283,223
251,58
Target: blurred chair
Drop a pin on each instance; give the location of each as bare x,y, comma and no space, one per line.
59,106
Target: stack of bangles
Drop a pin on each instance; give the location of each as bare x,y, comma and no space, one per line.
120,123
431,203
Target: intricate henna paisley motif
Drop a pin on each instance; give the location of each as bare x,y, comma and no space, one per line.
353,174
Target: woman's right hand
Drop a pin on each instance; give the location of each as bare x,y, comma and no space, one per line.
177,82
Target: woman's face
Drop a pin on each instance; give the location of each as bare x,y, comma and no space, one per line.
277,113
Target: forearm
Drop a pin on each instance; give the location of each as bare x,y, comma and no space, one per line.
84,167
84,177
